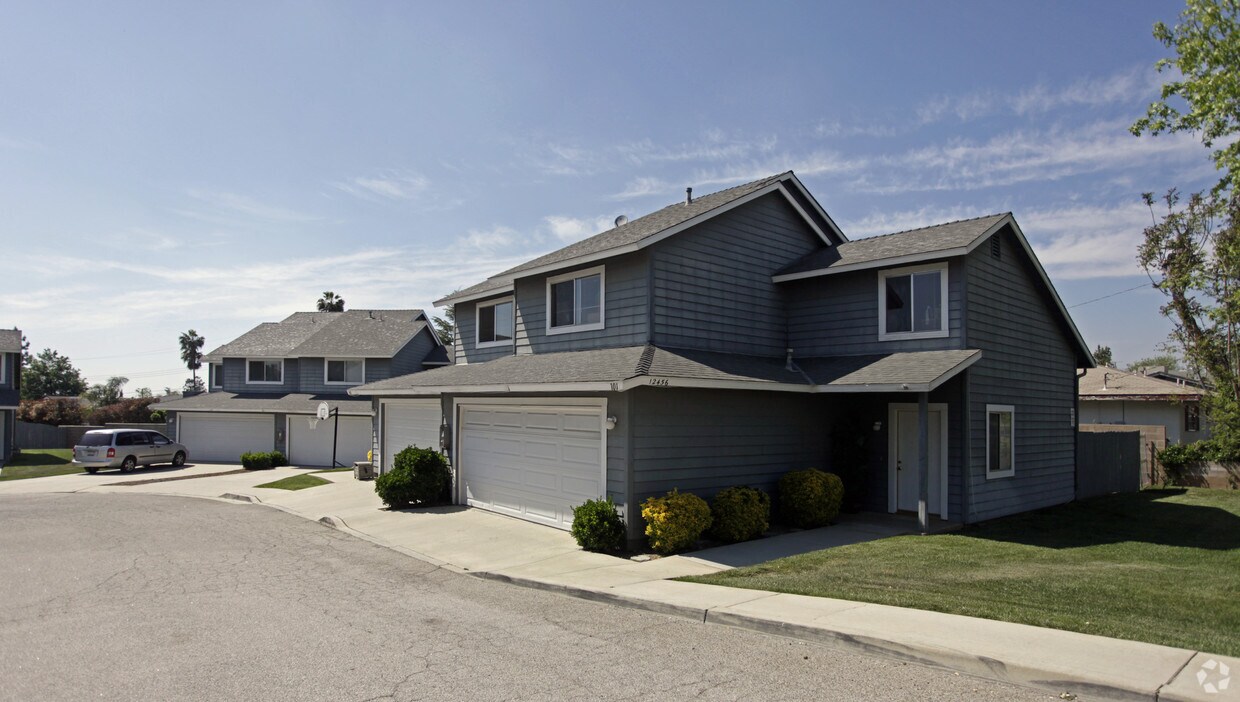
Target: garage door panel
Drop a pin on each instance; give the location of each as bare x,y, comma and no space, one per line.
409,423
531,462
222,438
313,447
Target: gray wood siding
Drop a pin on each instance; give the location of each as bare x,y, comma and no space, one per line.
409,358
702,441
712,283
1029,363
837,315
625,280
466,333
234,378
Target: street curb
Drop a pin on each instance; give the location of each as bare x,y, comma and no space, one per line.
237,498
695,613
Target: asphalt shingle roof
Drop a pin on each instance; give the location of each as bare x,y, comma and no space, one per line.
10,341
927,240
631,233
1104,383
629,362
353,333
293,403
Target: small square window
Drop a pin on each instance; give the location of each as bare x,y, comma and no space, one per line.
345,371
913,303
1000,441
575,301
495,323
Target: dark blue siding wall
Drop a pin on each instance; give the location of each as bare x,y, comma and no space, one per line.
408,359
838,315
712,283
1028,362
466,333
624,314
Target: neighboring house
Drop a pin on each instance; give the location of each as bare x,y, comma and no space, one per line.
10,388
1110,396
720,340
265,386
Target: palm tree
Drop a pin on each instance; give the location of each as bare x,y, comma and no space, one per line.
191,352
330,302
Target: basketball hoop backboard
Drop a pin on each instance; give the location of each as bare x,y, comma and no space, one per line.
324,410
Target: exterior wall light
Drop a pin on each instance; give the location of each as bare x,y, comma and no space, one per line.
611,422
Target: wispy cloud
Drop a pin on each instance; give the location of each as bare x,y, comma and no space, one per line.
496,238
878,223
811,164
1087,241
570,229
234,204
393,185
1126,87
15,144
713,146
643,186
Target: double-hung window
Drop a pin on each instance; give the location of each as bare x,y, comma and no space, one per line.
575,301
1000,441
913,302
1192,416
344,371
216,371
495,323
264,371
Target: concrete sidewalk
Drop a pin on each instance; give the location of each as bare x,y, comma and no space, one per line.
501,548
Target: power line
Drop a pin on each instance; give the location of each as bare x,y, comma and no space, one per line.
1104,297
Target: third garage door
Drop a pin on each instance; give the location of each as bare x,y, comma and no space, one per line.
531,462
313,447
409,423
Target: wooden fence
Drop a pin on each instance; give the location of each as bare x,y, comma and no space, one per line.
1108,462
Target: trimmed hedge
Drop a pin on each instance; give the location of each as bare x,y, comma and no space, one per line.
675,521
597,526
810,498
262,460
740,514
418,477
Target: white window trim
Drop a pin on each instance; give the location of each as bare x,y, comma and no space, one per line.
883,334
216,371
4,368
263,382
1000,409
478,325
602,300
343,382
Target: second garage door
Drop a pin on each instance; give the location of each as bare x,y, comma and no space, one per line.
313,447
409,423
532,462
222,438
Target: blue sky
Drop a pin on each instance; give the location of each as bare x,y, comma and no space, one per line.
215,165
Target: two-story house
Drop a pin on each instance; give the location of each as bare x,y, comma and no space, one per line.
725,339
10,388
265,387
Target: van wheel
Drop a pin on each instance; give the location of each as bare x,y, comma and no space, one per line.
179,459
92,471
129,464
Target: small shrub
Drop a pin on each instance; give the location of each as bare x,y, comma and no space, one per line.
740,514
277,459
675,521
256,461
418,476
810,498
597,526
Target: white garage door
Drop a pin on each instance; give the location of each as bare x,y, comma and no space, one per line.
313,447
222,438
409,423
532,462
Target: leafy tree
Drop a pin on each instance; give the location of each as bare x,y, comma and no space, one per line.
131,410
143,393
25,351
1205,98
56,411
193,386
49,373
191,351
1163,359
107,393
445,326
1102,354
330,302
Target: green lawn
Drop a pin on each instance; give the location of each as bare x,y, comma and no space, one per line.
334,470
1161,566
296,482
40,463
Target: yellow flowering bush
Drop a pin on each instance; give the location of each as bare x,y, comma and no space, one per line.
675,521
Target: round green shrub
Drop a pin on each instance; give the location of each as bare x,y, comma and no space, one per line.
810,498
597,526
740,514
418,476
277,459
675,521
256,461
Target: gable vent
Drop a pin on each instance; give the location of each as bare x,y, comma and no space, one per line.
994,245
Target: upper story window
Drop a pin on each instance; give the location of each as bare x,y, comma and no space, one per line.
1000,441
495,323
575,301
344,371
217,376
912,302
264,371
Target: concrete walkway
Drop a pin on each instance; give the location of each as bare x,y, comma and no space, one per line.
497,547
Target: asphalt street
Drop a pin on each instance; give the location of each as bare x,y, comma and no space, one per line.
110,597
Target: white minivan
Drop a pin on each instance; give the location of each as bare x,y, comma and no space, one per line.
126,449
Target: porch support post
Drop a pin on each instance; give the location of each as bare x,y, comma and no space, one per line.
923,462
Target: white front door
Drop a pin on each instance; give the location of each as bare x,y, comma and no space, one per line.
531,461
902,457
